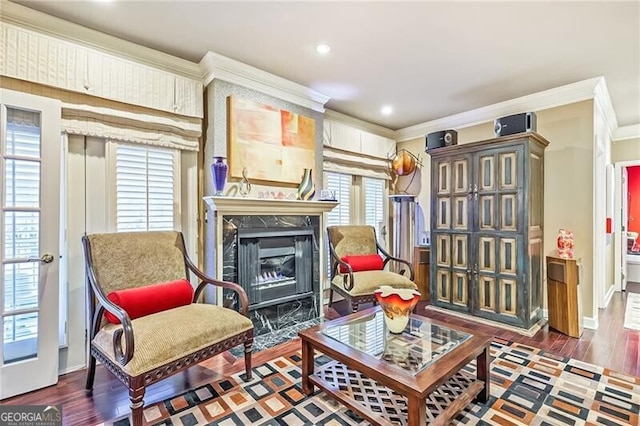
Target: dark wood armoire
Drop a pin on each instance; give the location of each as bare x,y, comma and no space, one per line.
487,210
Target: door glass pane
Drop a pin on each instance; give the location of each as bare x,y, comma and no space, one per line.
23,133
22,183
21,234
20,337
20,286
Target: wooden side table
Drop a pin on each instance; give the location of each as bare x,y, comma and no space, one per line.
421,265
563,296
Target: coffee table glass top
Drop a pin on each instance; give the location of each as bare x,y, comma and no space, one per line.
419,345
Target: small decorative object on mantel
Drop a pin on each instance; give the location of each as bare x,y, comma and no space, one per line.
244,187
397,304
306,190
565,244
219,172
327,195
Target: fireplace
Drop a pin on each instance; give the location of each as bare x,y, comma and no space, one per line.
272,249
275,265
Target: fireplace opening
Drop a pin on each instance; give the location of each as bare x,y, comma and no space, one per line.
275,265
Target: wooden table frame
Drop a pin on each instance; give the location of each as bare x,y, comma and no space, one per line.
416,388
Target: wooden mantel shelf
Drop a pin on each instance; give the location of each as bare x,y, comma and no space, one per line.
260,206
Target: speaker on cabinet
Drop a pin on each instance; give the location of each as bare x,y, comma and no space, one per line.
517,123
441,138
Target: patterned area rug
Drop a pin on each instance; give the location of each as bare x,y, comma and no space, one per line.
632,312
529,386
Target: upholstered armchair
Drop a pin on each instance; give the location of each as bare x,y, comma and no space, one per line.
359,265
146,323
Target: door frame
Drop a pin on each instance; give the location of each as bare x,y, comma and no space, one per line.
619,203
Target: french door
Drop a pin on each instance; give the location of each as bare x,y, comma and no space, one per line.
30,246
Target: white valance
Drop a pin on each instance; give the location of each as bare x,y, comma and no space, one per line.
339,161
140,126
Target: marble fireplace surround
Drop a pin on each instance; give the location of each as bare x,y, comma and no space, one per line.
225,215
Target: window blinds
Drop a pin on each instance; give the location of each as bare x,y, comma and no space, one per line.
145,188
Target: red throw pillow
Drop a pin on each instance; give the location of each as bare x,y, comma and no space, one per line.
367,262
147,300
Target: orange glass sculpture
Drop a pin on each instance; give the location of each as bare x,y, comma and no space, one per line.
397,304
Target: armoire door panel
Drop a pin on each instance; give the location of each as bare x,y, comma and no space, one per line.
508,171
460,250
444,178
486,254
508,212
460,287
461,176
461,213
443,213
535,276
486,181
508,297
443,251
487,293
443,285
508,256
486,212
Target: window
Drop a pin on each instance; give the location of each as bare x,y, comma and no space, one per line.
341,184
374,202
147,188
363,200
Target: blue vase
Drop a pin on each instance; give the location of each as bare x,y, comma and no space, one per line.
306,190
219,172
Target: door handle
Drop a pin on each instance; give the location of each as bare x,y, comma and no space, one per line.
46,258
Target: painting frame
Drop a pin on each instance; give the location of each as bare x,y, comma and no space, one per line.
267,143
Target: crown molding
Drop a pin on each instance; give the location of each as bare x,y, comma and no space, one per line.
359,124
603,103
214,65
627,132
563,95
25,17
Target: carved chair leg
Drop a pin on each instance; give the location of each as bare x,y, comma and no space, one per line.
330,296
136,396
91,372
248,345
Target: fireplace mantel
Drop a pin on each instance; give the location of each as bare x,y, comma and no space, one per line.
224,206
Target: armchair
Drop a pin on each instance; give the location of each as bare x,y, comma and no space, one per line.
358,282
143,349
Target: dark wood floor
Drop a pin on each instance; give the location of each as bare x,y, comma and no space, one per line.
611,346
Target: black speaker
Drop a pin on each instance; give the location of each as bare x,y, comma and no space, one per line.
442,138
517,123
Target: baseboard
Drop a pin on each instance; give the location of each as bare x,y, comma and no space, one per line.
525,332
71,369
608,296
590,323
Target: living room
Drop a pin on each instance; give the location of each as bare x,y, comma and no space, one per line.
113,99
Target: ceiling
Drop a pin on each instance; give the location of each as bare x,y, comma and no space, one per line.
427,60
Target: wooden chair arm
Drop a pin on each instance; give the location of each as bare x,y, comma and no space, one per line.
106,304
127,328
206,280
388,257
347,279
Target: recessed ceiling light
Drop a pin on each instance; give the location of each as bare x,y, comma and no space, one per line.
386,110
323,48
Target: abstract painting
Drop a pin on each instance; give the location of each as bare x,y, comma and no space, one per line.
273,144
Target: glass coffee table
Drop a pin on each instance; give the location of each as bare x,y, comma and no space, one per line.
410,378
